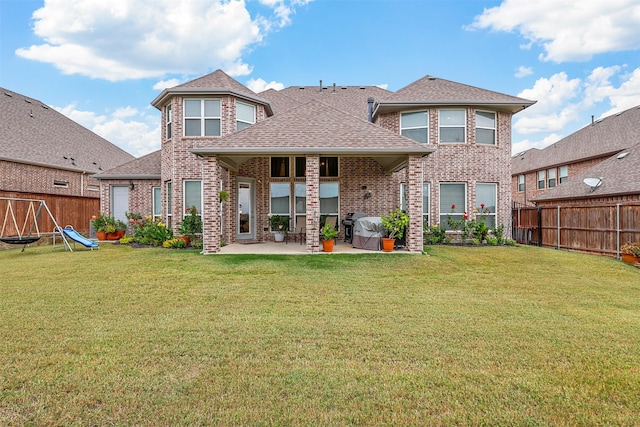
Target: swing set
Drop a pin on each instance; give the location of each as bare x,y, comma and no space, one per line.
29,232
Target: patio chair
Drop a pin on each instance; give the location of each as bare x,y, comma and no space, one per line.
299,233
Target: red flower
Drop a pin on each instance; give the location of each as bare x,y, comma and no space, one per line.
482,205
466,216
453,207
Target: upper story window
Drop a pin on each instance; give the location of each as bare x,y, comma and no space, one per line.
415,125
485,128
551,178
245,115
452,126
202,117
520,183
541,180
168,118
563,174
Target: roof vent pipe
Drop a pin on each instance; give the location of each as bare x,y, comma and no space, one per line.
592,121
334,88
370,109
320,86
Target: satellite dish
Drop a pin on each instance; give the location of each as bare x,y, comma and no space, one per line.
593,183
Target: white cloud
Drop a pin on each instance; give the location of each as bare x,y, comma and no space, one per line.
120,39
165,84
260,85
568,30
563,103
524,145
126,127
524,71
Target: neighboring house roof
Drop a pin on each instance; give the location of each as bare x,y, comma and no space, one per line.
434,91
619,174
315,128
602,138
216,83
145,167
34,133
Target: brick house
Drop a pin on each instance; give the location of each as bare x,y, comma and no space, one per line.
309,152
45,155
556,172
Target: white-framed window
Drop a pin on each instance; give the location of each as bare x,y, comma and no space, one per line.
168,118
426,188
245,115
202,117
156,197
486,202
521,183
541,180
192,195
485,128
329,198
453,202
300,205
551,178
280,196
415,125
279,167
452,125
426,204
168,203
563,174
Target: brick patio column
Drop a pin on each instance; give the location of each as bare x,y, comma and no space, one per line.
313,204
211,206
414,233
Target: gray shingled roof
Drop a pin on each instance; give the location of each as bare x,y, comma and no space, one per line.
601,139
316,128
34,133
620,176
215,83
434,91
145,167
350,99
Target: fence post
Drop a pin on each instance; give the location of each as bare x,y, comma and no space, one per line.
558,227
618,230
539,226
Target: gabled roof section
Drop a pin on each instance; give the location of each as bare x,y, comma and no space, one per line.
433,91
350,99
602,138
216,83
620,176
31,132
315,128
145,167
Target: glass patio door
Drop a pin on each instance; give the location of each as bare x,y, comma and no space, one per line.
245,210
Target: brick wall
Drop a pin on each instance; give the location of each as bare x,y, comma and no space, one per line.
39,179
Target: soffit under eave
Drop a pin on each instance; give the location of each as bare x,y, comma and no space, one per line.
390,163
394,107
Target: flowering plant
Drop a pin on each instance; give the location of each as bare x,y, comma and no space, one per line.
631,249
395,223
191,223
149,231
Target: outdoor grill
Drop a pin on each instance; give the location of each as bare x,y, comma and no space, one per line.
348,222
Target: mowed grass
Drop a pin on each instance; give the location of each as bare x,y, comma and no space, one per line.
518,336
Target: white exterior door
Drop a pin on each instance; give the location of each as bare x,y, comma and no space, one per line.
245,218
120,202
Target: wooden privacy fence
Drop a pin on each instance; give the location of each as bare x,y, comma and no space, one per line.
67,210
600,229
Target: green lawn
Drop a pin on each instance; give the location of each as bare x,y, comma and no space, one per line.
502,336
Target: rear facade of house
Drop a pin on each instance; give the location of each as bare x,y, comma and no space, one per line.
435,148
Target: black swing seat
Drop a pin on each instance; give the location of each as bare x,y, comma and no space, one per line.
19,240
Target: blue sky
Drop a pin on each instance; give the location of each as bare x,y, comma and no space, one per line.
102,63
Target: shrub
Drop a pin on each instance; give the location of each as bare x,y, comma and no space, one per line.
176,242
